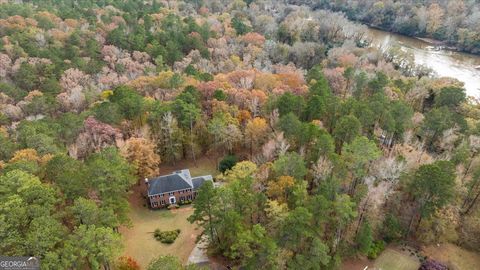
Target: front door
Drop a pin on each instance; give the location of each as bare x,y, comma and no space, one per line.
172,200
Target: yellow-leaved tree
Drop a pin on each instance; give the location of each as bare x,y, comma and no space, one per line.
141,154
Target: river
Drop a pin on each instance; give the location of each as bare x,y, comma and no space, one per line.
444,63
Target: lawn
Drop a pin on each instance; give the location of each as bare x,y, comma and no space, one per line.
138,239
453,256
139,242
205,165
392,259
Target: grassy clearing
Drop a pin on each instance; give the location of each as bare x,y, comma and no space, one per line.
392,259
454,256
205,166
139,241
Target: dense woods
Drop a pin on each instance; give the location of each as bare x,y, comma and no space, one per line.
328,149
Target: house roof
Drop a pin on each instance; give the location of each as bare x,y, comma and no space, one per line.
176,181
167,183
198,181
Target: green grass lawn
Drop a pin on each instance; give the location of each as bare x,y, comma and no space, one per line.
392,259
139,241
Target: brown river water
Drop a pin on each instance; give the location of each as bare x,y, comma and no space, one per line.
444,63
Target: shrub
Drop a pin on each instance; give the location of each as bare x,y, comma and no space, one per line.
126,263
173,206
376,248
166,237
227,163
430,264
185,202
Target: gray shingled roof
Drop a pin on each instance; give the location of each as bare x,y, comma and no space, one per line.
199,180
167,183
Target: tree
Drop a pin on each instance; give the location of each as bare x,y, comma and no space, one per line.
6,147
290,103
255,132
263,249
109,177
290,164
346,130
141,154
94,246
358,155
130,103
87,212
241,171
434,18
68,174
204,208
171,138
315,107
364,238
402,113
377,84
450,97
291,127
32,228
187,107
435,123
108,112
473,193
432,187
392,229
303,234
224,129
240,27
278,189
70,125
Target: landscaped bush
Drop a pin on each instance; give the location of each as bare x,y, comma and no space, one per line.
166,237
227,163
185,202
173,206
376,248
430,264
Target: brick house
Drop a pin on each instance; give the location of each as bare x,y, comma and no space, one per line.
173,188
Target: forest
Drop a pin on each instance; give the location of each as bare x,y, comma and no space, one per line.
328,148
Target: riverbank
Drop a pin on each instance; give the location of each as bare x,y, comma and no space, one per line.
438,44
444,62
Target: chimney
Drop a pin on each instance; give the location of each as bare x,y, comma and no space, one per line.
146,182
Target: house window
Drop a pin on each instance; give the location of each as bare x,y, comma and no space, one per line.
161,195
163,202
171,193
